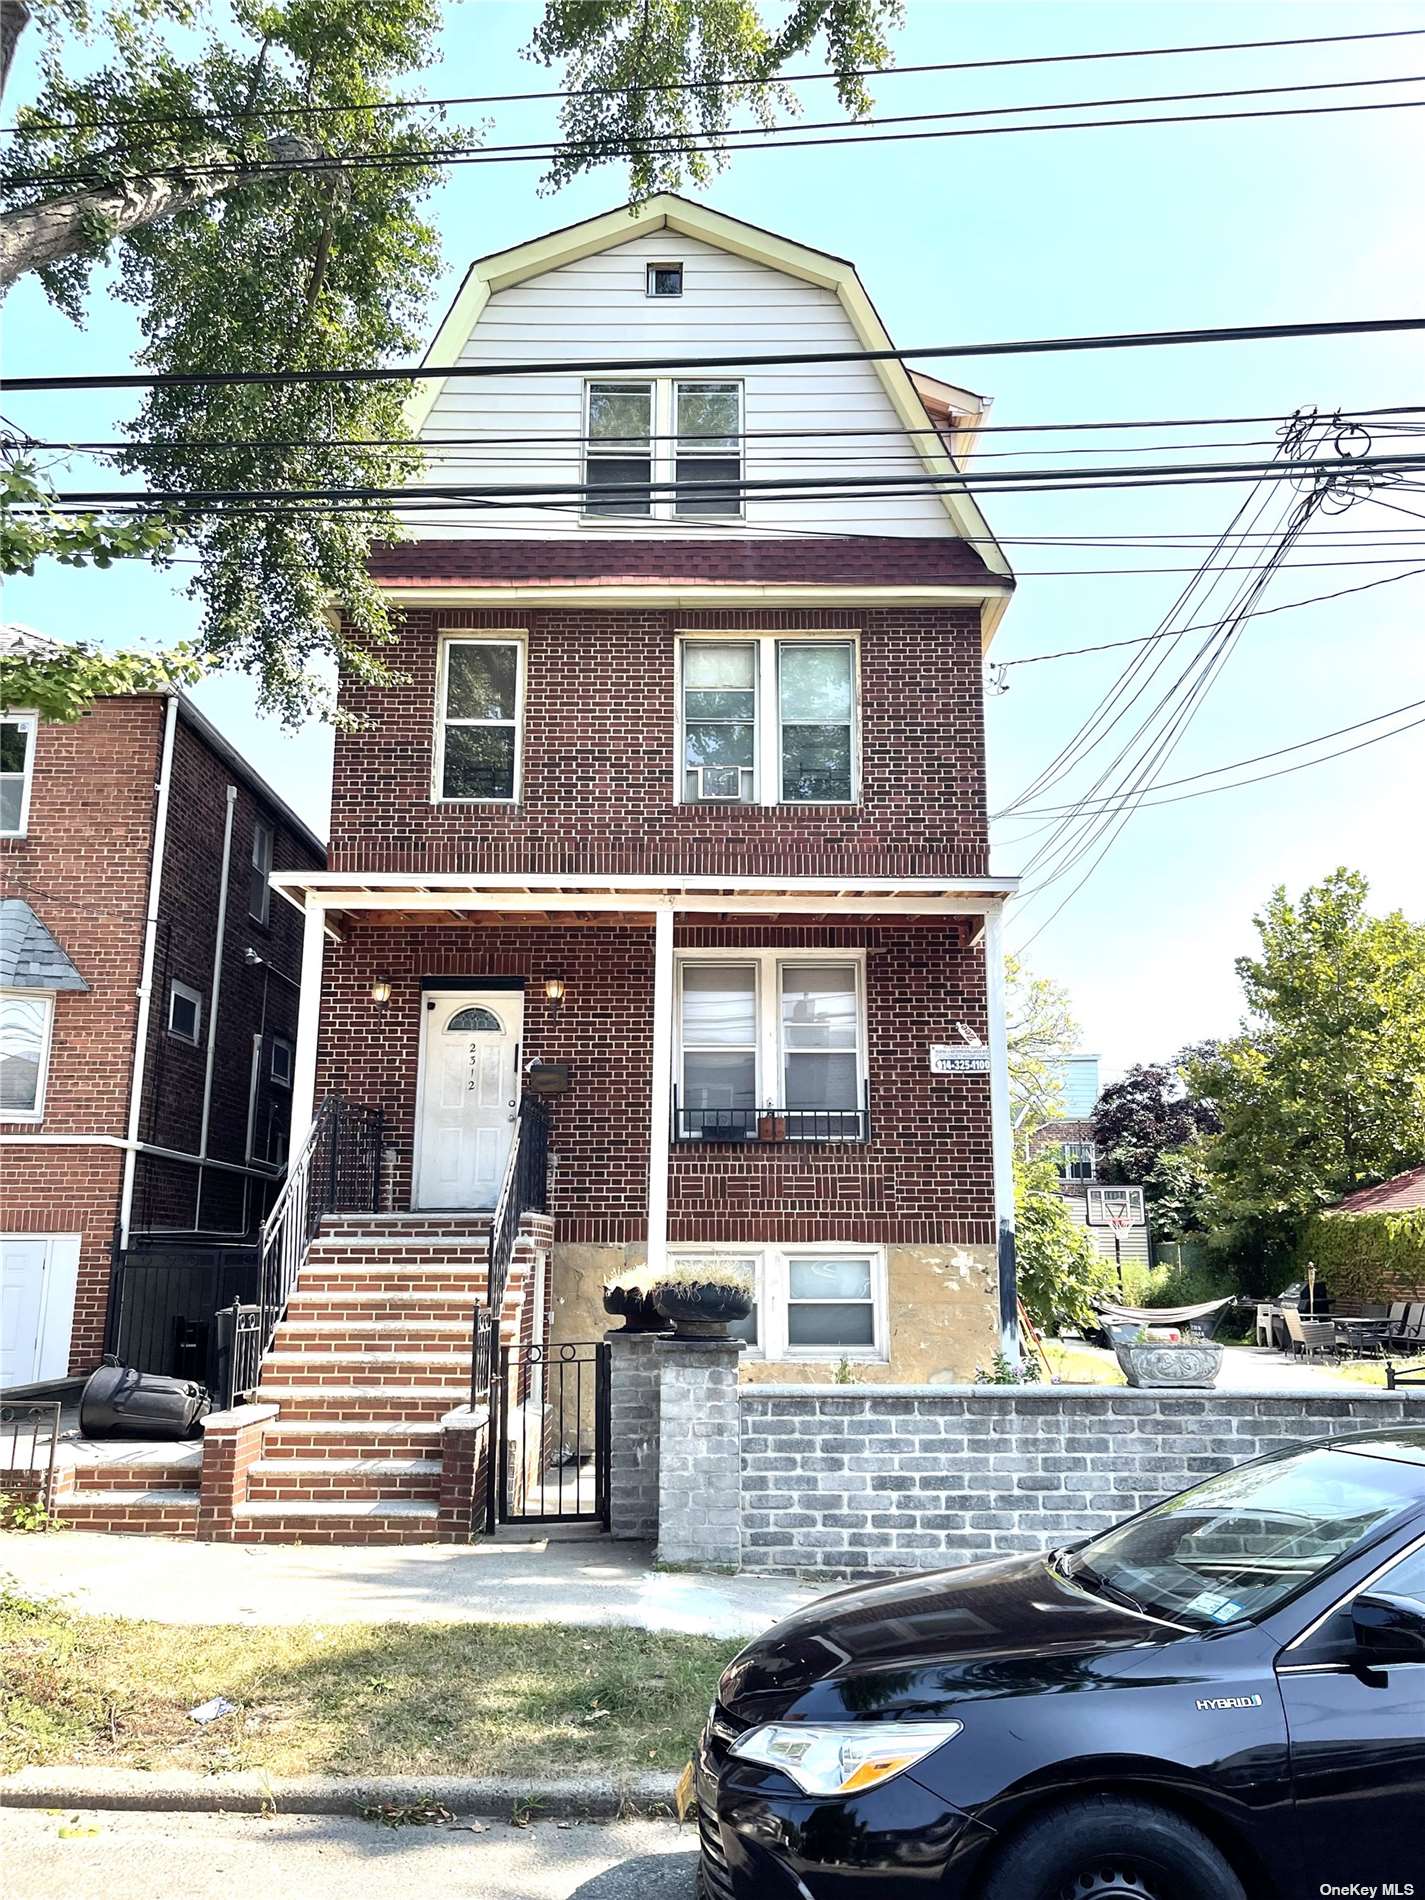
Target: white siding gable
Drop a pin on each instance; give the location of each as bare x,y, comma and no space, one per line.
597,306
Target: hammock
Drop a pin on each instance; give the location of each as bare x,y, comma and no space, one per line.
1160,1315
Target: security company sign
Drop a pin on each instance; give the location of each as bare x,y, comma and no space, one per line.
947,1059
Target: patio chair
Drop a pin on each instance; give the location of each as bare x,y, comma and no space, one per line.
1410,1333
1307,1337
1264,1333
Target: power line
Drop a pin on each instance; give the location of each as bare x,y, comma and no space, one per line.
1256,758
542,151
713,84
1037,346
1257,613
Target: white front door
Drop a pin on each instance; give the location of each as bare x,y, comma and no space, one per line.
37,1276
469,1095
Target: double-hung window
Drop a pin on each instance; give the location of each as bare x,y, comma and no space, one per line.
26,1019
259,893
770,1048
17,770
767,720
482,704
824,1303
1076,1161
663,449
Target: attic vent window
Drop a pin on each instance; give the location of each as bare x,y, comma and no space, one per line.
665,280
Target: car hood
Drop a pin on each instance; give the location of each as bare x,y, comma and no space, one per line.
908,1647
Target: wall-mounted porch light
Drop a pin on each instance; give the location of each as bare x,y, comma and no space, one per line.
554,991
381,991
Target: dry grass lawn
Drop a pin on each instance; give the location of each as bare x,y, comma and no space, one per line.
349,1699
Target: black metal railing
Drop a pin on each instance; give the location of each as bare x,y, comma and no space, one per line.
771,1125
164,1300
482,1356
29,1433
1397,1376
525,1189
237,1358
338,1171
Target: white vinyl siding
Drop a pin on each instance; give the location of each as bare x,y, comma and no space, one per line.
599,306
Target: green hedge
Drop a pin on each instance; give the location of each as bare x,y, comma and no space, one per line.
1366,1256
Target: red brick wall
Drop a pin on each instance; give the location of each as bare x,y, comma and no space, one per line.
924,1177
598,780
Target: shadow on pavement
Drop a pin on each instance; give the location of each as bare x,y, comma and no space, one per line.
645,1877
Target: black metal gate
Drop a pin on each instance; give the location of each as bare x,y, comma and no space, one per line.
551,1407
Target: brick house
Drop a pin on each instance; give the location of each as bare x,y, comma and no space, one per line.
148,1005
1115,1217
680,802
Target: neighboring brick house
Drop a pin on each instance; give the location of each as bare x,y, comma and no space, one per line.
146,1077
682,785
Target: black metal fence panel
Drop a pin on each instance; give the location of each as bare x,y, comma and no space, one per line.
551,1463
29,1433
164,1301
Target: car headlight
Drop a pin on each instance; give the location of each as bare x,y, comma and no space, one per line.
823,1758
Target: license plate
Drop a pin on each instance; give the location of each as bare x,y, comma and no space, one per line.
684,1798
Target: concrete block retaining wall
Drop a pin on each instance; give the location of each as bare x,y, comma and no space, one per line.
841,1478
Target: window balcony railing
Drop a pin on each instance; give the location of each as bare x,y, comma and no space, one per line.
768,1126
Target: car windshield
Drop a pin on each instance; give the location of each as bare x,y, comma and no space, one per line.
1243,1542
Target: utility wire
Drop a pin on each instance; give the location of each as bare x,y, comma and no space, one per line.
714,84
856,132
1038,346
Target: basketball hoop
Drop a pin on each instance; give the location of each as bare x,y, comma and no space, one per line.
1119,1216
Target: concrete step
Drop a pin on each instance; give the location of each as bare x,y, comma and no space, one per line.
375,1403
136,1479
300,1481
337,1521
406,1336
162,1513
308,1369
458,1219
318,1439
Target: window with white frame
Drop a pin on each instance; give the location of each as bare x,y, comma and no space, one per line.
683,438
767,720
812,1302
481,710
17,770
26,1020
770,1046
665,280
185,1012
1077,1160
259,893
280,1066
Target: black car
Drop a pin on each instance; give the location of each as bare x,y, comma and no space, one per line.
1221,1699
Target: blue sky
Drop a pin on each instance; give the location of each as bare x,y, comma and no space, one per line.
1053,234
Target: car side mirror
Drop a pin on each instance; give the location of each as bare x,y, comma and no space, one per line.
1389,1629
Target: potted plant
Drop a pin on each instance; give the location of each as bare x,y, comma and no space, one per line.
771,1125
629,1297
1162,1356
705,1298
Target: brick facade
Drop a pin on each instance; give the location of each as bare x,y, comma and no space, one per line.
84,868
599,772
924,1176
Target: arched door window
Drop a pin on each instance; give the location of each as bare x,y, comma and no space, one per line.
476,1018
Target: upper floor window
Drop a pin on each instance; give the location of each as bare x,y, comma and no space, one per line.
665,280
280,1064
481,707
17,770
185,1012
26,1018
683,437
768,720
259,893
1076,1161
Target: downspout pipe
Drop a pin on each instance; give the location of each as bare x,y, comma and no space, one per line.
150,945
215,990
1001,1133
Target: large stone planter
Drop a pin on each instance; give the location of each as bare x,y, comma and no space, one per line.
1158,1362
702,1311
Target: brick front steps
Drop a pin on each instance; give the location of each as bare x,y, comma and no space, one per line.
349,1436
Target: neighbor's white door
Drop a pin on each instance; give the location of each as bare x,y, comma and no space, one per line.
469,1096
37,1276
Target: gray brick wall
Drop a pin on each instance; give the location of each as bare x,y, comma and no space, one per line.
699,1479
633,1434
905,1478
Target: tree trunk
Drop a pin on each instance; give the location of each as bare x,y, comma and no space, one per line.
14,18
40,234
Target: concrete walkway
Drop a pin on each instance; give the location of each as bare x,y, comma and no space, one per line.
163,1580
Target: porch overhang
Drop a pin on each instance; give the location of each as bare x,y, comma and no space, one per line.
445,897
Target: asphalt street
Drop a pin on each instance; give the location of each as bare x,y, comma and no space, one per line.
133,1856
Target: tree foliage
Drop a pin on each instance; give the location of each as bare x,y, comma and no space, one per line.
1323,1089
1365,1256
224,157
1136,1119
1059,1268
1040,1030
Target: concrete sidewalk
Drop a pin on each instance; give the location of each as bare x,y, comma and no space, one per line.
163,1580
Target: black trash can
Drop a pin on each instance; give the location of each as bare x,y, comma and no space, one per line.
118,1402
